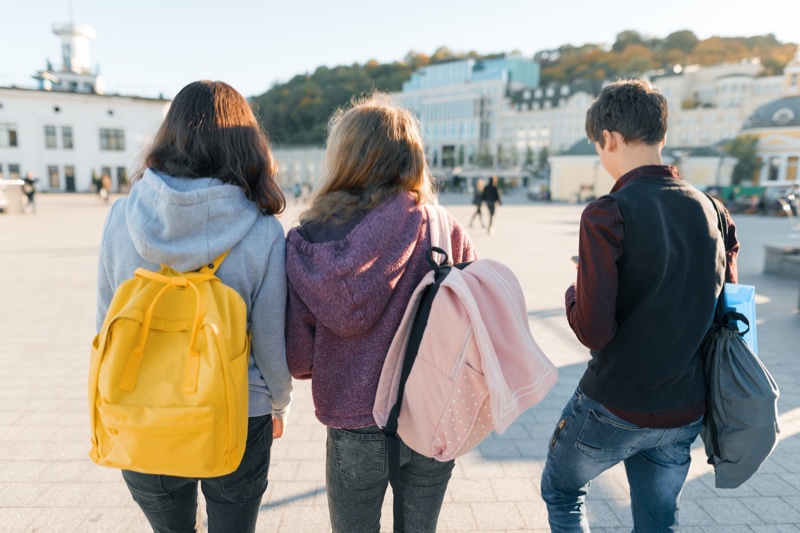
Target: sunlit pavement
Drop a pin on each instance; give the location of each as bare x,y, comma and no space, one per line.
47,309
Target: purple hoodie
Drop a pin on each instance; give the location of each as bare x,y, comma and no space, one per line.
346,300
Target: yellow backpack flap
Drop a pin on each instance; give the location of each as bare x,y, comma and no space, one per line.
168,376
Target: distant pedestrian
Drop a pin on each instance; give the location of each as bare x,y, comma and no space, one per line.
477,201
105,187
352,267
29,189
491,197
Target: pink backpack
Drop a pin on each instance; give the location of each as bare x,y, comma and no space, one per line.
463,361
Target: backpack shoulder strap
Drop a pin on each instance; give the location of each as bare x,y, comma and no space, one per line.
212,267
439,229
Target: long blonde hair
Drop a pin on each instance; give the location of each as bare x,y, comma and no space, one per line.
374,151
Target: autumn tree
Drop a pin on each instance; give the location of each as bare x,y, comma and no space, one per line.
744,148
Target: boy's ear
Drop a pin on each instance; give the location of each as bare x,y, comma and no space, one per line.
609,141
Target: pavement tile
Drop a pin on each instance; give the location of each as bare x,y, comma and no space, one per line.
773,510
106,519
497,516
471,490
728,511
776,528
692,512
61,520
21,494
514,490
534,513
14,519
772,485
456,517
726,529
71,495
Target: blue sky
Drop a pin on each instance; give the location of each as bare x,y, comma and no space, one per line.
149,47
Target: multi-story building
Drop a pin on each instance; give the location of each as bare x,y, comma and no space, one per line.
460,104
710,104
777,126
67,131
550,118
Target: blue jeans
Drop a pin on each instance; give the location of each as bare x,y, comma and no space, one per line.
232,501
359,469
588,440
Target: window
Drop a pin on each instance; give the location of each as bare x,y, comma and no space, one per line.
69,177
791,168
50,137
112,139
757,171
66,137
8,135
13,172
53,177
774,168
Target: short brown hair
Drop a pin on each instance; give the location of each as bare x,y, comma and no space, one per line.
374,150
632,108
210,131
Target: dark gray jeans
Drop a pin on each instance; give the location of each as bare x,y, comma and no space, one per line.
359,469
232,501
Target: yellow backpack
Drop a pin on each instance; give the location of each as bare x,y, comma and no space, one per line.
168,382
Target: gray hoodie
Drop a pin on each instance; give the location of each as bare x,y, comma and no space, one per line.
187,223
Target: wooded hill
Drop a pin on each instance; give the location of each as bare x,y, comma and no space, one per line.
297,112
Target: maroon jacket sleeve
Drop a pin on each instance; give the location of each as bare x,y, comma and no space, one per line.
591,301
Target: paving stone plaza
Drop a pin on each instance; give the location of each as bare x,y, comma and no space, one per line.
47,313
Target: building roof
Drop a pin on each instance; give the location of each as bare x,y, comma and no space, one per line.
781,113
76,93
582,147
526,97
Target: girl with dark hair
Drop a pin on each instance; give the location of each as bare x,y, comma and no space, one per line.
208,185
352,266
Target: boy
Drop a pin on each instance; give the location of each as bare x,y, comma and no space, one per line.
651,265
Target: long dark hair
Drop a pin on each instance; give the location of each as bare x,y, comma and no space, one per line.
210,131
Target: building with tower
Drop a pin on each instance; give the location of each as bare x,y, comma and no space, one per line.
67,130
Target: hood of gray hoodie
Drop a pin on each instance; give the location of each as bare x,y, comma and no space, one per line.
186,222
347,283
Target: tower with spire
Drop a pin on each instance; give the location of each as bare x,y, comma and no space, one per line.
75,74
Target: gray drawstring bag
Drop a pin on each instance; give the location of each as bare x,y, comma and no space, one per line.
740,428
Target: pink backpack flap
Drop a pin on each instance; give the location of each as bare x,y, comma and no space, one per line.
477,366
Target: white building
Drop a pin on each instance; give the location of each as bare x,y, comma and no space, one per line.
710,104
551,118
67,131
460,104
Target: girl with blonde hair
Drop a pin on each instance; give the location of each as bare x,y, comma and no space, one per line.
352,267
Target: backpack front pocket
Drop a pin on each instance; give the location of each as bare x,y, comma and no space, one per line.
158,440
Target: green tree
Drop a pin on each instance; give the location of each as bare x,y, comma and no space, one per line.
744,148
529,157
683,40
544,155
626,38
